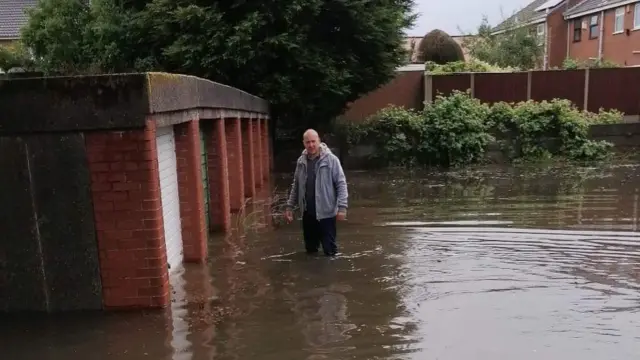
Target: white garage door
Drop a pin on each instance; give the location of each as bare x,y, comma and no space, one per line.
168,172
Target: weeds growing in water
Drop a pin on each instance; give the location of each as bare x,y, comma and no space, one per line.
258,213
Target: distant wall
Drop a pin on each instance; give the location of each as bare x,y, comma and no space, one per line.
405,90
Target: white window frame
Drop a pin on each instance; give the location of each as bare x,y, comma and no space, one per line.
540,32
636,16
618,22
594,20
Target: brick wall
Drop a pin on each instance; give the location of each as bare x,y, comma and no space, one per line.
233,134
556,38
264,148
248,158
257,151
220,209
406,89
128,217
191,191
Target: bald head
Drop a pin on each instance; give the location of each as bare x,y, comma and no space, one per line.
310,134
311,141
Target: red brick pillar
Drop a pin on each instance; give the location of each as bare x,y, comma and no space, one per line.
128,216
264,138
248,158
233,134
191,191
257,152
269,146
220,211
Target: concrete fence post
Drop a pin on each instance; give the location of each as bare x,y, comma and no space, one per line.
529,78
472,84
428,88
586,89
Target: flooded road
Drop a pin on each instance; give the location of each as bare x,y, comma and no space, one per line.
491,263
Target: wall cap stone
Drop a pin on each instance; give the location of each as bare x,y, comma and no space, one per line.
112,101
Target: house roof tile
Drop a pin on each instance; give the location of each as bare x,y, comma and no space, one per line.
595,5
525,15
13,17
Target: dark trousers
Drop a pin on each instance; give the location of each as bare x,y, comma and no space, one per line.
319,232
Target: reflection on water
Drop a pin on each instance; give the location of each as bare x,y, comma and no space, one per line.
490,263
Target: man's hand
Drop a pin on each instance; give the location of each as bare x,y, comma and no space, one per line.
342,215
288,216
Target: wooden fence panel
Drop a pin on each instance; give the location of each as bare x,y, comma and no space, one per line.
562,84
615,89
445,84
495,87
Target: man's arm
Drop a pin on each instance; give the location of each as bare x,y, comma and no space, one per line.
340,182
292,201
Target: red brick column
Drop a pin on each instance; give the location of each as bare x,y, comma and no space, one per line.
233,134
257,152
248,158
220,211
128,216
191,191
264,138
269,146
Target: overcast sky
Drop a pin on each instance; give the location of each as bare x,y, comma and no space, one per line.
448,15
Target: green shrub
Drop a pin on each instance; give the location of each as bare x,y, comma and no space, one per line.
457,130
464,66
396,133
572,64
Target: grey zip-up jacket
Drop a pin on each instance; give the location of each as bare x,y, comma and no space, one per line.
331,184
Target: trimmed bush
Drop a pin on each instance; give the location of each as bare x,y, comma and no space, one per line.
440,48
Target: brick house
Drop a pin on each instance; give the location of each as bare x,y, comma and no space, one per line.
12,18
582,30
604,30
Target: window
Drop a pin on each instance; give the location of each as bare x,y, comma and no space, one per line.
593,27
618,25
540,33
577,30
636,16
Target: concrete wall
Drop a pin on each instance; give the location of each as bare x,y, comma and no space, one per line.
82,215
625,138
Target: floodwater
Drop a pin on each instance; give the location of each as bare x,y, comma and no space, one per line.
490,263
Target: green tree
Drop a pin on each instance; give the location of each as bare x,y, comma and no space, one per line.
516,47
438,47
308,58
15,56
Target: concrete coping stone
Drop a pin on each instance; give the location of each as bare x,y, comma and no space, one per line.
116,101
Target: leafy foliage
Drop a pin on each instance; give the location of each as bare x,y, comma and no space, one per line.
438,47
15,56
572,64
308,58
471,65
518,47
457,130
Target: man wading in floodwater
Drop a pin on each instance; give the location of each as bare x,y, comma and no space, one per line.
320,190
